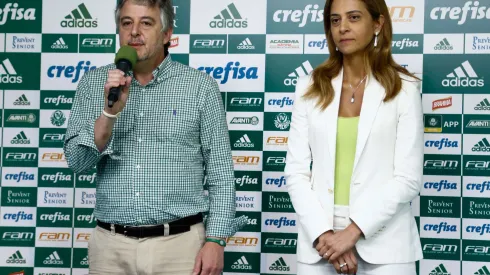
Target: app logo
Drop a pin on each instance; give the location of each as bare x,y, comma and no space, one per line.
16,258
246,45
13,12
443,143
443,45
442,227
8,74
79,18
20,138
304,69
58,118
241,264
59,44
402,13
238,72
440,270
442,103
56,71
484,105
482,146
229,17
311,13
463,76
53,259
279,265
441,185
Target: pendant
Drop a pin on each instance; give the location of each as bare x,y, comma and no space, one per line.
352,100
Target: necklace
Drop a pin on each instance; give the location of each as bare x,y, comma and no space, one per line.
352,99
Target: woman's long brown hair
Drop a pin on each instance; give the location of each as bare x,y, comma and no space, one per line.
377,60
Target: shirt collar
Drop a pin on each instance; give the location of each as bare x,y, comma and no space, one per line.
163,70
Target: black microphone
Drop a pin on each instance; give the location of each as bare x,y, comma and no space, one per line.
125,60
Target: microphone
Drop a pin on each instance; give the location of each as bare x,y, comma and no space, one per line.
125,60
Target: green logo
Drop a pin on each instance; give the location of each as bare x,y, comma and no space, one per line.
241,262
407,43
19,196
276,202
17,236
16,258
21,18
476,251
476,124
253,221
80,258
441,249
245,102
59,43
246,44
229,18
456,16
248,181
58,118
253,120
476,208
22,101
484,270
15,74
212,44
21,118
84,218
442,165
448,207
279,265
51,137
447,124
52,257
476,166
444,45
57,100
97,43
86,179
294,17
246,140
277,121
440,270
282,243
55,177
20,138
20,157
79,17
54,217
274,161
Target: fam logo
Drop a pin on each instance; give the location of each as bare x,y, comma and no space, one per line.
8,74
402,13
233,67
71,72
79,17
310,13
229,18
12,11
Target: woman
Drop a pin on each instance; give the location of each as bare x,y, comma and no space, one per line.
358,117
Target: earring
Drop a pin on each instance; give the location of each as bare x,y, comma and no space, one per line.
376,40
336,49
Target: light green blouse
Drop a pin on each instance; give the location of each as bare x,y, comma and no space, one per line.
344,159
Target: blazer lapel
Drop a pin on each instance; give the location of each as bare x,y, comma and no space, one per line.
331,116
373,96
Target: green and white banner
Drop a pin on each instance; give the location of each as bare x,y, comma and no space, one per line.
256,50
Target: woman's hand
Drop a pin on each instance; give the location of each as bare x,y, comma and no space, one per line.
340,242
348,261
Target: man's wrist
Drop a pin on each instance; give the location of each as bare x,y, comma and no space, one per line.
218,240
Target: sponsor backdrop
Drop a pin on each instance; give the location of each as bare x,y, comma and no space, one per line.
255,50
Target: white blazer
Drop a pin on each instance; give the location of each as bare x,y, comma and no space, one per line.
387,172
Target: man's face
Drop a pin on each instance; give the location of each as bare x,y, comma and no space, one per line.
141,28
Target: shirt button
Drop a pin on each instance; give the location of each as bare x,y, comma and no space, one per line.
140,220
139,140
137,194
138,166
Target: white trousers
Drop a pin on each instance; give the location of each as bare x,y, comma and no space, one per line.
341,221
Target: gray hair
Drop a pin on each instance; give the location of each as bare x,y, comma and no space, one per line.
167,15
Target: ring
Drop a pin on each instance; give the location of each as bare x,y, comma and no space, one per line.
325,255
342,265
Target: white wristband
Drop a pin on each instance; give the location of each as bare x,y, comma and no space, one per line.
111,116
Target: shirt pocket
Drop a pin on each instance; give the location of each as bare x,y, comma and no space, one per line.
177,126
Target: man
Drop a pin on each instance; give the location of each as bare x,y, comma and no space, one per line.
152,150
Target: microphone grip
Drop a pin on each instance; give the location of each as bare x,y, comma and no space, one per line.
113,96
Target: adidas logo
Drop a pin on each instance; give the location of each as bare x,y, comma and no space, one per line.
22,100
59,44
440,270
279,265
229,18
443,45
16,258
246,45
244,142
84,261
20,138
483,271
482,146
484,105
16,13
241,264
79,18
302,70
7,73
463,76
54,258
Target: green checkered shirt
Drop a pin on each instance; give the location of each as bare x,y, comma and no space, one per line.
171,134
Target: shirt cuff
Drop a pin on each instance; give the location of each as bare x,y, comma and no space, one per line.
87,138
223,228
